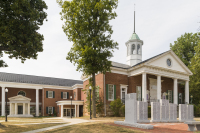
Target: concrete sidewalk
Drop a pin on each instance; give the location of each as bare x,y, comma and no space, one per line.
67,120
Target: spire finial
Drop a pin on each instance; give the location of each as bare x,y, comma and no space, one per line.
134,18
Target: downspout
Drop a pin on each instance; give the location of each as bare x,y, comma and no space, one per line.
104,87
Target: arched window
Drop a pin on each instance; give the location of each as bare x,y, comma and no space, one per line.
138,49
21,93
133,49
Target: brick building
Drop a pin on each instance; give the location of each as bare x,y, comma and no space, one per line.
164,76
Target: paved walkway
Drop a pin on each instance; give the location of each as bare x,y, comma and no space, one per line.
71,122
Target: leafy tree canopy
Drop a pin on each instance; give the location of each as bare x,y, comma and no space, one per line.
87,25
19,22
184,47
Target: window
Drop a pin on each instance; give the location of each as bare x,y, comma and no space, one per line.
74,95
133,49
64,95
110,92
169,62
50,110
50,94
138,49
21,93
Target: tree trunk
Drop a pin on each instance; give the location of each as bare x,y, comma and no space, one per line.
93,96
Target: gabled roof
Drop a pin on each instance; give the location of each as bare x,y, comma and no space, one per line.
124,66
19,98
20,78
146,62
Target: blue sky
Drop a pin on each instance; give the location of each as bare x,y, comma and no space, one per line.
158,23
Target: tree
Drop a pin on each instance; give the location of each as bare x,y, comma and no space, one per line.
187,48
87,26
19,22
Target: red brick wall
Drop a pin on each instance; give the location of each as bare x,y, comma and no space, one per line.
99,82
52,101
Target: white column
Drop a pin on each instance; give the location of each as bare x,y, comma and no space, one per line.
2,101
23,108
158,87
75,110
175,92
61,111
187,92
28,108
10,108
37,102
15,108
78,110
144,87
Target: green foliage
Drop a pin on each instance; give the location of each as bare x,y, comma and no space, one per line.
54,112
19,23
149,111
122,109
99,103
115,106
184,47
87,26
187,48
197,110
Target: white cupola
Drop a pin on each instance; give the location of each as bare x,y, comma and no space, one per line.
134,49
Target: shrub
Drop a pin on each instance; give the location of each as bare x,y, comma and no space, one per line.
123,110
115,106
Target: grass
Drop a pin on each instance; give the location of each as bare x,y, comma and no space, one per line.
17,125
94,127
7,128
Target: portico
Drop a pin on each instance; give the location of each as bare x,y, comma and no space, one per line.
65,108
22,105
167,65
19,106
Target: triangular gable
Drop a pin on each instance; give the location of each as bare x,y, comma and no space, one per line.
161,62
19,98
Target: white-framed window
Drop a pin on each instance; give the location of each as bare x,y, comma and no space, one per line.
50,94
50,110
110,92
74,95
64,95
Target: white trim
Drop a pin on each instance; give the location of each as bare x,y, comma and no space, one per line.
68,102
48,94
113,92
123,87
52,109
66,95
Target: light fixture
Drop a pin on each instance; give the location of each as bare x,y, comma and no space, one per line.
6,90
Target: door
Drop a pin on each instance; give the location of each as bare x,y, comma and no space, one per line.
68,112
80,110
65,112
20,109
123,97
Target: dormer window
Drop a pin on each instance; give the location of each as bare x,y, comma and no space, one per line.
21,93
133,49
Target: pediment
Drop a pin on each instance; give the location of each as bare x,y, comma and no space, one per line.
19,98
176,64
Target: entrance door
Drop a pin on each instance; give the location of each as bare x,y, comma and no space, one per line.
80,110
65,112
20,109
68,112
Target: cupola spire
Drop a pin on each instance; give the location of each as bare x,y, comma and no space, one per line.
134,18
